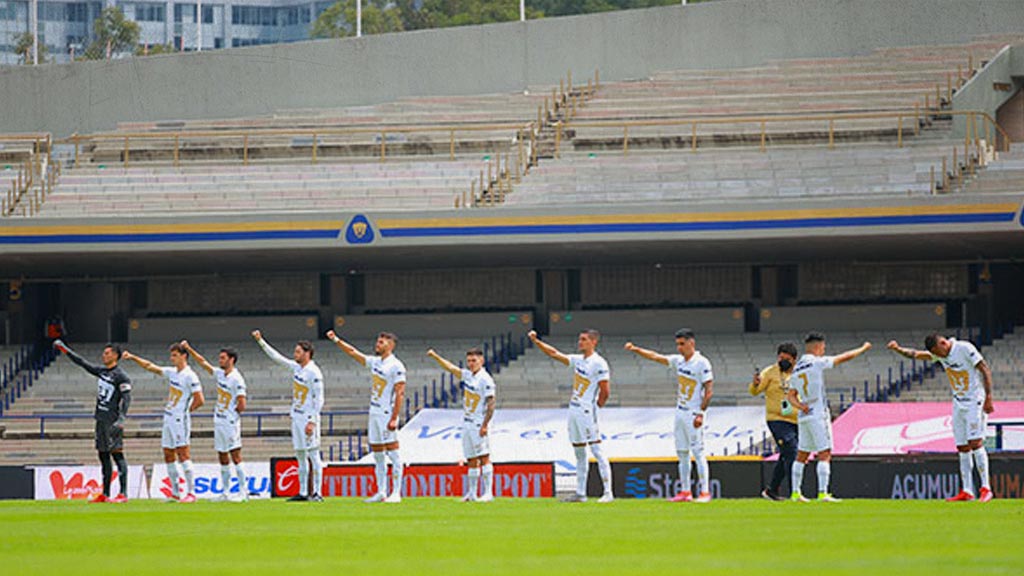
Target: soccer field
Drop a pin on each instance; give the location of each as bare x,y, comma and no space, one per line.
513,537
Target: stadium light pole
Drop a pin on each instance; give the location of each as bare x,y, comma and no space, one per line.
34,19
359,18
522,10
199,25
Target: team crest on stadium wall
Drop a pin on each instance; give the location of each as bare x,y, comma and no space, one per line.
359,231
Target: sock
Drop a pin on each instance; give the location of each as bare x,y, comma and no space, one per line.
966,472
225,478
604,468
122,471
303,472
474,482
824,474
243,482
190,483
172,475
797,480
581,469
703,473
318,470
981,462
108,472
381,468
396,472
684,470
486,477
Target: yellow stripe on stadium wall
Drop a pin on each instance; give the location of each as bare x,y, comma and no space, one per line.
172,228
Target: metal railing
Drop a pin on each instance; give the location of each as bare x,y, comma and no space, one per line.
30,179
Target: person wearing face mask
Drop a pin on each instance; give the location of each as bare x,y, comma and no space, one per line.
773,382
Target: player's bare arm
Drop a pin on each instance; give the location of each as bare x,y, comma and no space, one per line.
240,404
488,413
197,401
794,399
347,348
851,354
647,354
397,408
604,390
546,348
908,352
199,357
705,401
142,362
445,364
986,379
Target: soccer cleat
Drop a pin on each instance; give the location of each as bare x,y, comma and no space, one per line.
298,498
223,497
119,499
99,499
174,498
469,498
188,499
685,496
378,497
704,497
316,498
963,496
606,498
985,495
826,497
798,497
486,498
393,498
575,498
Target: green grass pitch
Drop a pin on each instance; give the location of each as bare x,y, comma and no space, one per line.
439,536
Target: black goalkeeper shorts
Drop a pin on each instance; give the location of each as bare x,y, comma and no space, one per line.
109,438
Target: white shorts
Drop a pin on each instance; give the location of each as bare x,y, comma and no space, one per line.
378,430
969,421
177,432
227,435
300,441
814,433
583,427
473,444
688,437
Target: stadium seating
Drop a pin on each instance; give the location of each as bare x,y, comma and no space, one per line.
1004,174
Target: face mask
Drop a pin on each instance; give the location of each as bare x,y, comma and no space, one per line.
785,365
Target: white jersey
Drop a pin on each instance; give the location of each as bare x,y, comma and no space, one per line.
809,380
587,373
384,374
182,385
961,365
229,388
476,389
691,375
307,384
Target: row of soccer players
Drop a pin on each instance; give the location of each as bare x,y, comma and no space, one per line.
693,375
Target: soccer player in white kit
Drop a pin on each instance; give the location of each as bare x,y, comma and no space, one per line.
696,380
184,396
590,391
227,425
971,381
478,401
387,374
307,402
814,422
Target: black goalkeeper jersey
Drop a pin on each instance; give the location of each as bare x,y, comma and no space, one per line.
112,385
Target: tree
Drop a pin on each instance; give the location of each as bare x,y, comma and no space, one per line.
446,13
23,48
154,50
339,21
114,31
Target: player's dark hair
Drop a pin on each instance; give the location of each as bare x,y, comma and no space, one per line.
306,346
116,348
685,333
389,336
177,347
813,337
231,352
592,334
787,348
931,341
475,351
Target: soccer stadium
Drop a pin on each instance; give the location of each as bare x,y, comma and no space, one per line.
613,287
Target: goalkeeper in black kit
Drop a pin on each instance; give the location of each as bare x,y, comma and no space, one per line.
112,399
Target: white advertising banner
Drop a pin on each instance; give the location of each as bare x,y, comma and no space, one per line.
84,482
208,483
524,435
